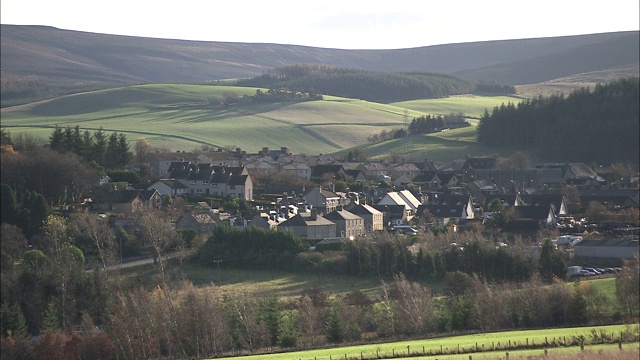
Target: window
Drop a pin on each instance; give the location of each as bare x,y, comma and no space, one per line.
215,185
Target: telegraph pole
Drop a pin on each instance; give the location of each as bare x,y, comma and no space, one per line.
218,262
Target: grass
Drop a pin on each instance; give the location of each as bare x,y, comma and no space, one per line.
283,283
504,341
174,116
469,105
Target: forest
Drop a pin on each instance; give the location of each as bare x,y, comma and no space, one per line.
372,86
598,126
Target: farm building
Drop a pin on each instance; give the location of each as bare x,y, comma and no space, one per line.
611,251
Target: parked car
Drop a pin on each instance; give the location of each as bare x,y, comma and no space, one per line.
585,272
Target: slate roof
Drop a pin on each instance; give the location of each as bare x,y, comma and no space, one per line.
533,212
320,170
298,221
442,210
364,209
341,215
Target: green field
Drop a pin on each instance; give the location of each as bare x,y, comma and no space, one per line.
181,117
501,341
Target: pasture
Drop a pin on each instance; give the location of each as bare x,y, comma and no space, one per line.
183,117
483,344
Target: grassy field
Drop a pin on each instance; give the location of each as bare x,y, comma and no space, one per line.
472,106
500,341
178,117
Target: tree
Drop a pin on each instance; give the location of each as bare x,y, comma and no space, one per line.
333,327
8,204
98,231
551,262
309,316
628,287
141,149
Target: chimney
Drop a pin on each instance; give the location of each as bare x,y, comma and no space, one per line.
314,215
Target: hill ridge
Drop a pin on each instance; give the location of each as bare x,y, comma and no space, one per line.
65,56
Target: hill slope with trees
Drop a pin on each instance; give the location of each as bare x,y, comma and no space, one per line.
586,126
371,86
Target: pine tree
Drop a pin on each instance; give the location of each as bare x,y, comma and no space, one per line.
8,204
333,328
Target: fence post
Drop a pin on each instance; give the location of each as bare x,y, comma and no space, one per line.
408,353
507,356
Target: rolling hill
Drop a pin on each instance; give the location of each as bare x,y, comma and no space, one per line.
183,117
70,57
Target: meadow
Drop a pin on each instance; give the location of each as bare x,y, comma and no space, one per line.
484,344
183,117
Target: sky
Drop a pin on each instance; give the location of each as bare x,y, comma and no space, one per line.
342,24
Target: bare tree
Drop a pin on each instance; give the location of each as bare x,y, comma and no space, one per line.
416,305
98,231
310,317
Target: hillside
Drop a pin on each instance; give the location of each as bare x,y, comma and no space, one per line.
71,57
183,117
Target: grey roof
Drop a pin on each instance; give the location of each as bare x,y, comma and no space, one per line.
339,215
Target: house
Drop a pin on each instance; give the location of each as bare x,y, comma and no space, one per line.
392,214
612,198
152,198
544,216
220,157
373,170
300,170
313,226
200,223
437,180
328,171
463,204
160,162
475,163
356,176
323,200
204,179
444,213
373,219
404,198
402,180
574,173
263,221
409,170
347,224
556,200
169,187
121,201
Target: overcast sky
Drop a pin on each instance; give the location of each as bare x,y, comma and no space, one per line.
346,24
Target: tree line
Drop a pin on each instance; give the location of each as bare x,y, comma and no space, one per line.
370,85
110,151
598,126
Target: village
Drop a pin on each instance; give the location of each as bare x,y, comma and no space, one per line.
326,199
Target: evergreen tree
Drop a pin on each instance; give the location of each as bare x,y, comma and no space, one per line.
8,204
551,263
99,146
51,323
56,140
333,328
